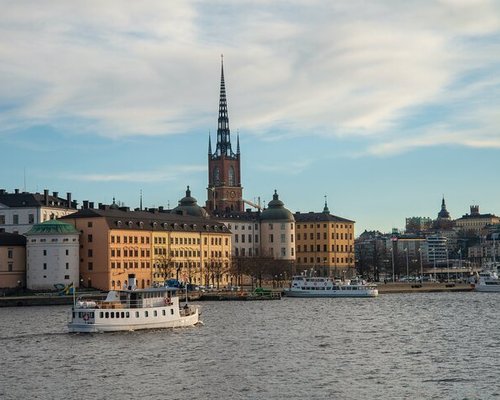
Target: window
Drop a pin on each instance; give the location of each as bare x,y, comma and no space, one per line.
231,179
283,251
283,226
66,277
10,253
67,265
67,252
89,224
271,238
236,238
90,253
45,252
44,265
270,226
283,238
90,266
2,219
15,219
31,218
10,267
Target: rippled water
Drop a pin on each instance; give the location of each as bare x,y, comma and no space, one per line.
436,345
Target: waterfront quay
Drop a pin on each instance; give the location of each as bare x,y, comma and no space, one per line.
46,299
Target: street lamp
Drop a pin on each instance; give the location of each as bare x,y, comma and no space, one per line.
392,254
407,267
460,263
421,267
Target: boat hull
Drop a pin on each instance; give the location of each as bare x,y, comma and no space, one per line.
488,288
97,325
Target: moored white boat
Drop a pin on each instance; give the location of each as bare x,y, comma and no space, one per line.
129,310
303,286
487,281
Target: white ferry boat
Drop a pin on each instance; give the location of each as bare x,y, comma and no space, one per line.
487,281
303,286
130,310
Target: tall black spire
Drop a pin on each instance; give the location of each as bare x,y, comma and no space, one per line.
209,145
223,133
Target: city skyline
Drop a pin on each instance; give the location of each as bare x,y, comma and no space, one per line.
382,107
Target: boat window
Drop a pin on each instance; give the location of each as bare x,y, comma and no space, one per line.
91,315
155,313
74,315
146,314
127,314
101,315
137,314
112,314
117,314
164,312
172,311
107,314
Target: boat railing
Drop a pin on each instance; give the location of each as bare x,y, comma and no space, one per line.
125,303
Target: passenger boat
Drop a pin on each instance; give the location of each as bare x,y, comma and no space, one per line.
487,281
132,309
303,286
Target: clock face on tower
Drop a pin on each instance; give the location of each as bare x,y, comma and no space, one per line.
232,194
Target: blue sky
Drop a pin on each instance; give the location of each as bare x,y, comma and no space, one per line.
383,106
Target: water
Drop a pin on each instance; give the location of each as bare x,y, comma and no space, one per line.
435,345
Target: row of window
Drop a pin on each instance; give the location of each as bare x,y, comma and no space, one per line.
337,235
335,248
338,260
242,227
237,238
282,226
162,240
54,240
282,237
334,226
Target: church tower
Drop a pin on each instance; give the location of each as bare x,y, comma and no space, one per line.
224,192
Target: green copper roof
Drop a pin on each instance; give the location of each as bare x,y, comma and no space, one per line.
276,211
52,227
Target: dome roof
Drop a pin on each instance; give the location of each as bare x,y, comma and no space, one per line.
52,227
189,206
276,211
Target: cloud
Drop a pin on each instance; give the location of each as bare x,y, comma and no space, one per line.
296,68
171,173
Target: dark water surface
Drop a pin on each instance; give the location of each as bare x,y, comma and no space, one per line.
418,346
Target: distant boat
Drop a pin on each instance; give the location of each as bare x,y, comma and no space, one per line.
303,286
130,310
487,281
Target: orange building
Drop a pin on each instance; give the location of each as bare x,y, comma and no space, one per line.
153,245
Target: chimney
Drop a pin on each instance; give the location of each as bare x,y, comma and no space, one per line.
16,191
91,204
46,197
2,191
68,198
55,194
85,204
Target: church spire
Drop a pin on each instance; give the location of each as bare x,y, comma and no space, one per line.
209,144
238,143
325,209
223,133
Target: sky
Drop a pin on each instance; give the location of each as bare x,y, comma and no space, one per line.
382,106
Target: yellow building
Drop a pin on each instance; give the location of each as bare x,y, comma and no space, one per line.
154,246
325,243
12,260
475,222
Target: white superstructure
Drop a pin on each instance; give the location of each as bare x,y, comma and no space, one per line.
488,281
130,310
303,286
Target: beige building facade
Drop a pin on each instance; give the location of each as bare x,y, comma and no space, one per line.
325,243
154,246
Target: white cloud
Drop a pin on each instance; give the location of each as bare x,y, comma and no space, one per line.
170,173
301,67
